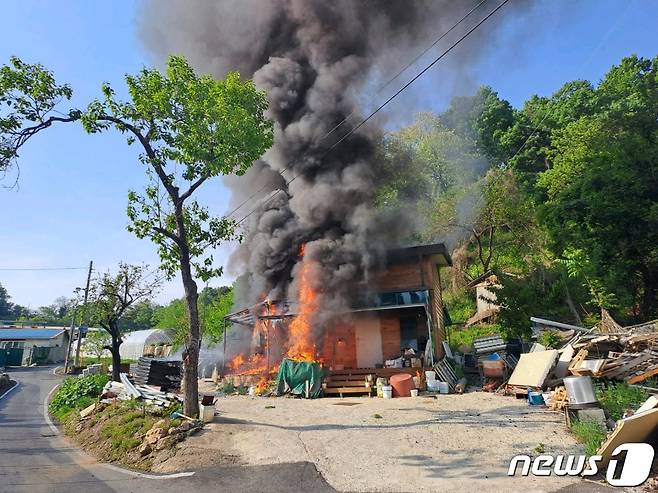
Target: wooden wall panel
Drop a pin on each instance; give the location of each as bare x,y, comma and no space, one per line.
335,353
390,326
399,277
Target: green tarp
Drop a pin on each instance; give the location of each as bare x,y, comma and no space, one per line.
293,375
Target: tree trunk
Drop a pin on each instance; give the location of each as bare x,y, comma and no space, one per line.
116,355
192,341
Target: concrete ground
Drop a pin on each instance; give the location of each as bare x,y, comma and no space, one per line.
451,443
35,458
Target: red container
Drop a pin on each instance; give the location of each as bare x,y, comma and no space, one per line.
402,384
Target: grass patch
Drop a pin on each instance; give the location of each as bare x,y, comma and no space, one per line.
377,416
539,449
619,397
105,360
460,304
589,432
465,337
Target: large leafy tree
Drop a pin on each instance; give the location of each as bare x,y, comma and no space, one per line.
190,129
588,156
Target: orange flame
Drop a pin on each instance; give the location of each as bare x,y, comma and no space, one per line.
300,337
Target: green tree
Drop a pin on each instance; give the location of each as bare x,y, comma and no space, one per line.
112,295
138,317
6,306
96,343
28,97
602,187
190,129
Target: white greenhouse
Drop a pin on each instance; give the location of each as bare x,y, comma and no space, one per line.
151,342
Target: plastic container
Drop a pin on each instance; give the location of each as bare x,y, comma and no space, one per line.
444,388
580,390
417,382
535,398
387,391
430,375
414,393
432,385
402,384
493,368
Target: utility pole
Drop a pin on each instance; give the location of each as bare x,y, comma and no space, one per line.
70,342
84,312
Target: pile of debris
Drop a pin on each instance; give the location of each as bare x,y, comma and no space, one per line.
562,378
628,354
126,390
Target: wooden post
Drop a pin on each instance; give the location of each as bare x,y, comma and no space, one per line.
84,311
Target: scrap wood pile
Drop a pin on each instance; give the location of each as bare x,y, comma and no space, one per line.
628,354
126,390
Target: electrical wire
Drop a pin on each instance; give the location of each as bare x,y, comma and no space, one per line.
41,268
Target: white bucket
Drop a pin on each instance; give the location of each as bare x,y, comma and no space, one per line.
414,392
387,391
444,388
430,375
433,385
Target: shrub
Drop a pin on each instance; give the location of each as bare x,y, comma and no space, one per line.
619,397
76,393
550,339
460,304
589,432
465,337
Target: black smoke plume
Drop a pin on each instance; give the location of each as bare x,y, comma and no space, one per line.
319,62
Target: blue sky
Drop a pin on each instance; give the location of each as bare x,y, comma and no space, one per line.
70,205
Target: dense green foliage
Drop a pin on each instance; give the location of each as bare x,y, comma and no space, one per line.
464,337
76,393
214,305
617,398
559,198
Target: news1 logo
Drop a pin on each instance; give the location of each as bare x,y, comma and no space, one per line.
631,470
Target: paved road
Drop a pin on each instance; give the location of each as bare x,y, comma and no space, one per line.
34,459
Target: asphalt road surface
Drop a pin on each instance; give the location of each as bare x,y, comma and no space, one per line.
34,458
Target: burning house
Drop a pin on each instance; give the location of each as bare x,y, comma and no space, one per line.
398,309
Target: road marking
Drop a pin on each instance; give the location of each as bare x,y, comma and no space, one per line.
109,466
9,391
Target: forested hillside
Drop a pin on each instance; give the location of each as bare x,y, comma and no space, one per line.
559,198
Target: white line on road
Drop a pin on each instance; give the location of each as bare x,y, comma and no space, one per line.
9,391
109,466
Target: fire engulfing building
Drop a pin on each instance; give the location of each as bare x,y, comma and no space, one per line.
397,308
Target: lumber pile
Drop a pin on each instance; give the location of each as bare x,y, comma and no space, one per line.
630,357
127,390
162,373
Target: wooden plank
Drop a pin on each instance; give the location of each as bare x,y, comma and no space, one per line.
643,376
634,429
347,390
625,367
533,368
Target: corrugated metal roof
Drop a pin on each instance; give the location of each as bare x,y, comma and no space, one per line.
20,334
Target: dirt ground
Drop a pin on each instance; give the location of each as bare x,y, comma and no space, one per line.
448,443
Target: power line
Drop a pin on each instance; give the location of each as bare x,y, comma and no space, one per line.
40,268
416,58
436,60
381,88
397,93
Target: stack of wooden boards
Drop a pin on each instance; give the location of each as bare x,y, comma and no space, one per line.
629,357
159,372
625,355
